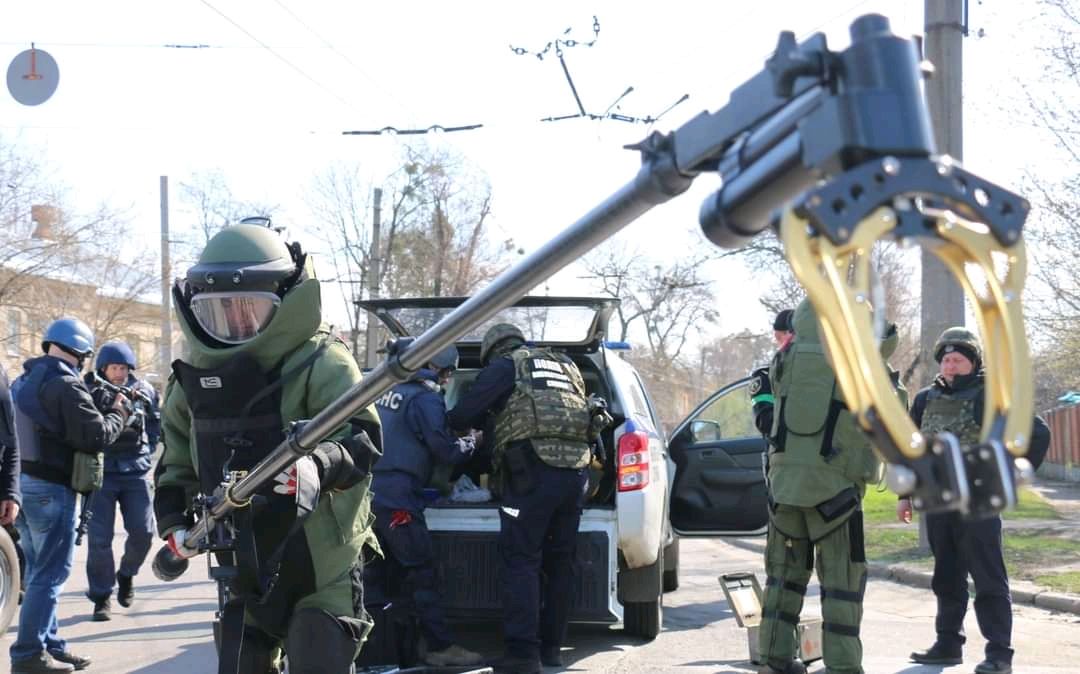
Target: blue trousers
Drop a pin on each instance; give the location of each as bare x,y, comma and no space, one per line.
131,491
539,533
46,525
409,546
961,547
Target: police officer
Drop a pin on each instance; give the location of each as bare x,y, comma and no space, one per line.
260,358
126,481
954,403
61,435
761,395
10,496
535,401
417,436
819,465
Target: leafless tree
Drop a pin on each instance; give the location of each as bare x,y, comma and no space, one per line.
1053,305
893,269
670,301
665,305
436,212
214,206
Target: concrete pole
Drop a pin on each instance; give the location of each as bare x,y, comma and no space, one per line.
942,297
374,269
166,287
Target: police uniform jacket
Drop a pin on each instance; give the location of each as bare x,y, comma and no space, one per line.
74,423
973,386
416,435
9,450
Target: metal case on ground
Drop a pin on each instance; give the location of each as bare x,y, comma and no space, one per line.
743,594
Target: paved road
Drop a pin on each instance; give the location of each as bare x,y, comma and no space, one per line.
167,630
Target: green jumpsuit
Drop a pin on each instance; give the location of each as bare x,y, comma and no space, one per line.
341,523
818,468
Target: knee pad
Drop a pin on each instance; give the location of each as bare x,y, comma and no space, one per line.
319,643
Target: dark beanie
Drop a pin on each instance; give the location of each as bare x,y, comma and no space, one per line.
783,321
962,349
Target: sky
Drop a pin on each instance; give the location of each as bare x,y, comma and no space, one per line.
266,100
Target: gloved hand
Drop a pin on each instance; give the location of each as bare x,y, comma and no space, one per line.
175,541
123,405
599,417
303,471
467,444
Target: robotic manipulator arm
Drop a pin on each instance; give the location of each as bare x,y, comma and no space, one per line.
835,151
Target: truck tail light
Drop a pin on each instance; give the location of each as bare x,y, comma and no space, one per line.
633,457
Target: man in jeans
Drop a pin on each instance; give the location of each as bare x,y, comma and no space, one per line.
10,498
54,418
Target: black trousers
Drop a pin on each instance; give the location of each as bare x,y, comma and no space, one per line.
971,546
537,539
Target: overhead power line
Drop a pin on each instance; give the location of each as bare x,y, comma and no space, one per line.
281,58
388,130
558,44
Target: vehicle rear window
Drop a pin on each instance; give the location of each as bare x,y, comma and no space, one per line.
558,324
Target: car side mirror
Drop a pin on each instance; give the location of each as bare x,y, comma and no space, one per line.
704,430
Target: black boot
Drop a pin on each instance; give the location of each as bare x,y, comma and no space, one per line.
42,663
790,667
550,656
125,592
76,661
939,654
510,664
989,666
102,610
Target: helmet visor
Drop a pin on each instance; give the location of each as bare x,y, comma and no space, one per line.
234,317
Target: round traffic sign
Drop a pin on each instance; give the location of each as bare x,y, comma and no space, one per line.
32,77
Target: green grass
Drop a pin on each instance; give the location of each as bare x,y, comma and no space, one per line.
893,545
1027,553
1061,582
1031,506
879,507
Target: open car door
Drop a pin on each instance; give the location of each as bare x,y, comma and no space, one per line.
719,487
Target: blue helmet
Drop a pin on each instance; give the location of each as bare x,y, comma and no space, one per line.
115,353
447,359
71,335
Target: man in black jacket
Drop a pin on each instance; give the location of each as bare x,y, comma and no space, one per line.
954,403
55,418
10,496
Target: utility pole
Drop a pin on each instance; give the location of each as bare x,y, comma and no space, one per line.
374,269
942,297
166,296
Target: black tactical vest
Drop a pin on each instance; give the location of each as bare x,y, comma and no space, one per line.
236,422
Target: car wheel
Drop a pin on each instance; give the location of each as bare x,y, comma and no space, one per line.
671,566
643,619
9,581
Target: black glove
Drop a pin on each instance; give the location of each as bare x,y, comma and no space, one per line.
345,464
103,398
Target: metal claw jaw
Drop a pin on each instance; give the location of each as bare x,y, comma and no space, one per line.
833,265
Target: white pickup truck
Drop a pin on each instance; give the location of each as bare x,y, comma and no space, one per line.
706,481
